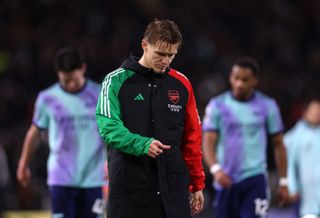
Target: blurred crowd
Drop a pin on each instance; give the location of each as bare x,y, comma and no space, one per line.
282,35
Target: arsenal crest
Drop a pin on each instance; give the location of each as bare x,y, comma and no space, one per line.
173,96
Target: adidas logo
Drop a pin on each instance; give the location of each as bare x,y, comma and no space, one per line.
139,97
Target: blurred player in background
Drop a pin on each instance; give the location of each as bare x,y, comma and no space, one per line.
105,188
235,128
77,154
303,148
4,177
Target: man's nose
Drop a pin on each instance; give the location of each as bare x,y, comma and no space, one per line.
239,84
166,60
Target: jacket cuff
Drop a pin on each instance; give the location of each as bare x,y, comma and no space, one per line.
147,145
195,188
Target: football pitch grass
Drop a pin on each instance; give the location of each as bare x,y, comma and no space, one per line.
26,214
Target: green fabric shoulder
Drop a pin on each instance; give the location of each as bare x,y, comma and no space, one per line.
108,116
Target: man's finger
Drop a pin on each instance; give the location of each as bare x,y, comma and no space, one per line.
162,146
165,147
152,155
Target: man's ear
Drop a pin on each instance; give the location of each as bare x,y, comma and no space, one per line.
144,44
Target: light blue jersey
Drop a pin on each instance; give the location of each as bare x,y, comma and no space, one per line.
242,128
303,149
77,153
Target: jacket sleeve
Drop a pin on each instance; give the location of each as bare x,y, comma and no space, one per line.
191,146
108,117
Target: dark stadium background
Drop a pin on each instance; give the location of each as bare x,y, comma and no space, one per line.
282,35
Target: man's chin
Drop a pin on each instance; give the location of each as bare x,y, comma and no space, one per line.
239,95
160,71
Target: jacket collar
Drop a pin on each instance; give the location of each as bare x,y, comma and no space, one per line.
133,64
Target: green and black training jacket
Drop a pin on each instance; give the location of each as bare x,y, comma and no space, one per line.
136,106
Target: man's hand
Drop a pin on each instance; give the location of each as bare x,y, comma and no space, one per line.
106,172
156,148
294,198
283,195
223,179
24,175
196,202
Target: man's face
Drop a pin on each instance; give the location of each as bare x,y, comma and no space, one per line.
159,56
243,82
72,81
312,113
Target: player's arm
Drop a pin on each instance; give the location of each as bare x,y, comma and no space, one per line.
108,117
191,144
210,139
31,140
116,135
280,155
281,162
192,153
292,172
275,128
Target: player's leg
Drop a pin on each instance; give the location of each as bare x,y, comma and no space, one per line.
296,208
226,203
63,202
91,203
255,202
